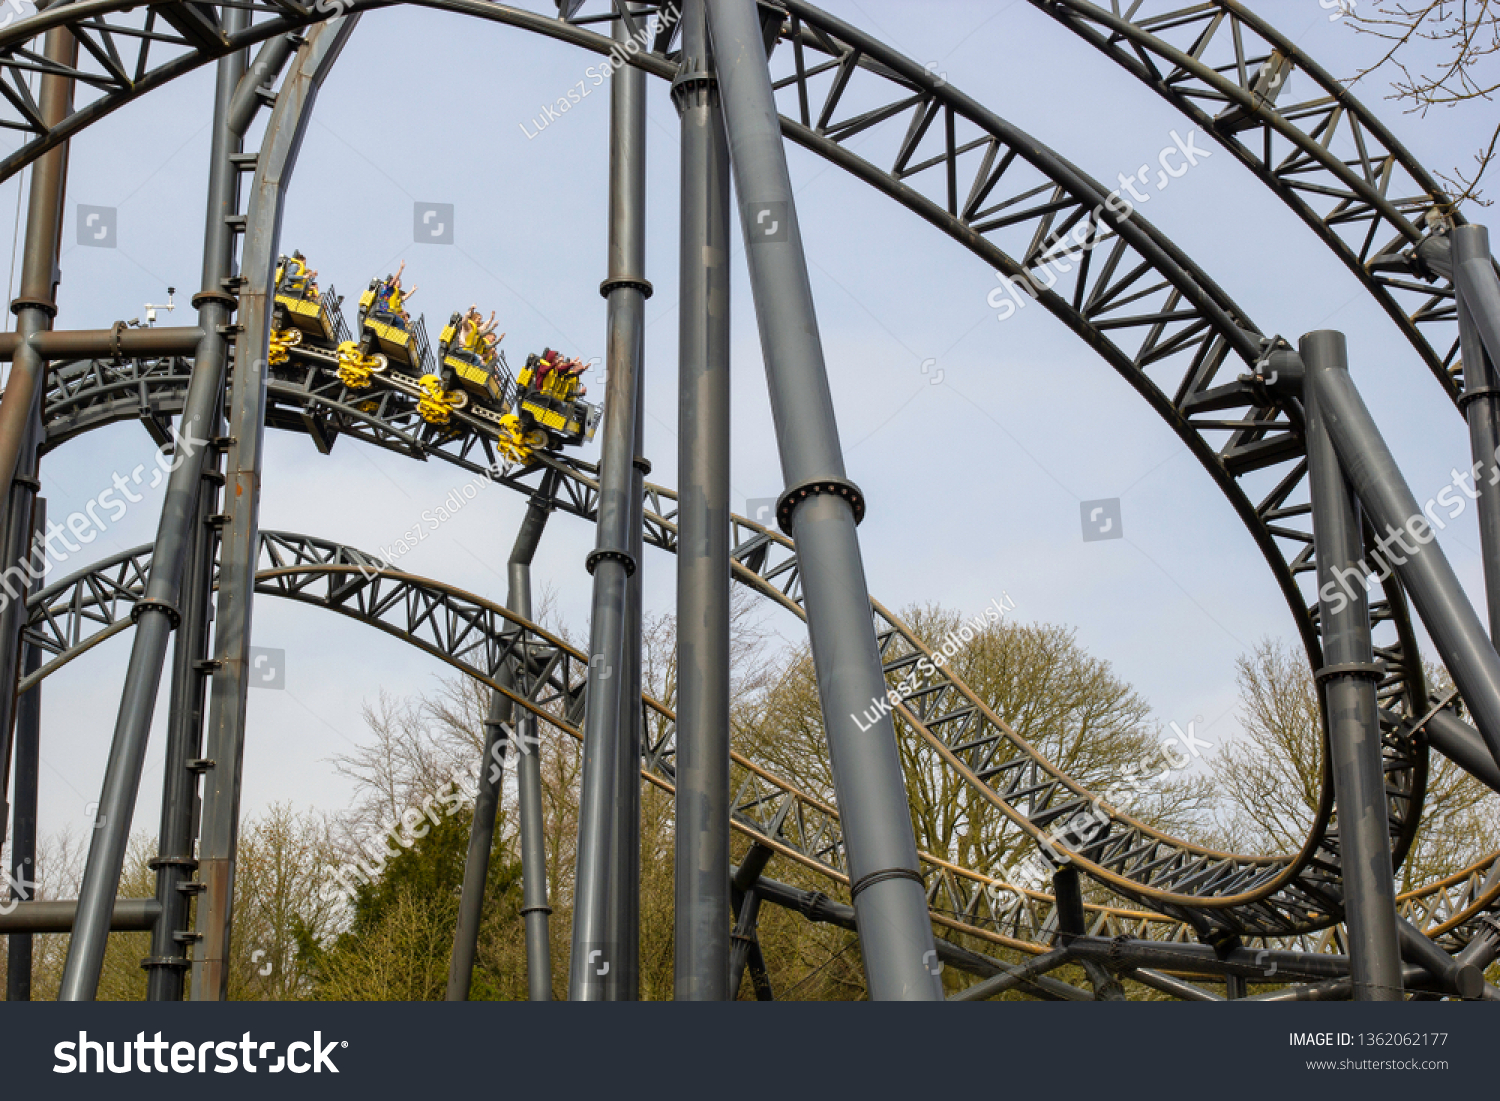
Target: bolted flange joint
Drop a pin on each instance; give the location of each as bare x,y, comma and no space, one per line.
151,604
787,503
597,556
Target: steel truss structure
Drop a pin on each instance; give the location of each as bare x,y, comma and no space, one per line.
1253,411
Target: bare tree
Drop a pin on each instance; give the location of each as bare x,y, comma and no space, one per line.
1454,66
1270,779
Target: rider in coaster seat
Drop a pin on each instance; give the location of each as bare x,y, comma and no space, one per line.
390,300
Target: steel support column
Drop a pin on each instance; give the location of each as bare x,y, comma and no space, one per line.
1348,679
1408,544
28,756
224,740
820,509
702,810
625,846
158,612
596,959
175,861
744,901
535,910
1072,921
491,778
1481,396
21,403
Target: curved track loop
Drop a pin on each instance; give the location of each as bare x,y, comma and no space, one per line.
477,637
1133,296
1255,896
1323,153
1152,313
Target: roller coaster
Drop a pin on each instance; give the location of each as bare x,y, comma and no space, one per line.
539,411
1280,430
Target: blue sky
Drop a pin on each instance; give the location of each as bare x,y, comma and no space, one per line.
974,467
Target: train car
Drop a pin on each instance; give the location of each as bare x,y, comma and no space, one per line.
468,374
302,311
481,371
553,414
385,329
388,337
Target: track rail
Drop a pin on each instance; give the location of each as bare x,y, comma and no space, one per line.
1133,296
476,636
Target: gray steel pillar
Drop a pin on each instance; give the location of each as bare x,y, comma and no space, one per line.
224,738
625,845
744,902
597,959
177,837
1348,679
28,752
702,761
1481,397
491,780
820,509
21,402
158,612
1461,743
534,908
1407,543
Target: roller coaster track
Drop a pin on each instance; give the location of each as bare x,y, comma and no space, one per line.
956,727
1119,284
1132,295
1329,159
73,615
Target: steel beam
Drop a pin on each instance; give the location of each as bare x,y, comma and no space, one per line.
818,907
21,430
224,741
1461,744
1478,289
701,938
597,959
1457,977
177,837
1170,984
1348,680
1334,990
158,613
820,509
491,779
128,915
119,342
28,757
999,984
1398,520
1067,890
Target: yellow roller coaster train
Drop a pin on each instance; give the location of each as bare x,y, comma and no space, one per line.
541,410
